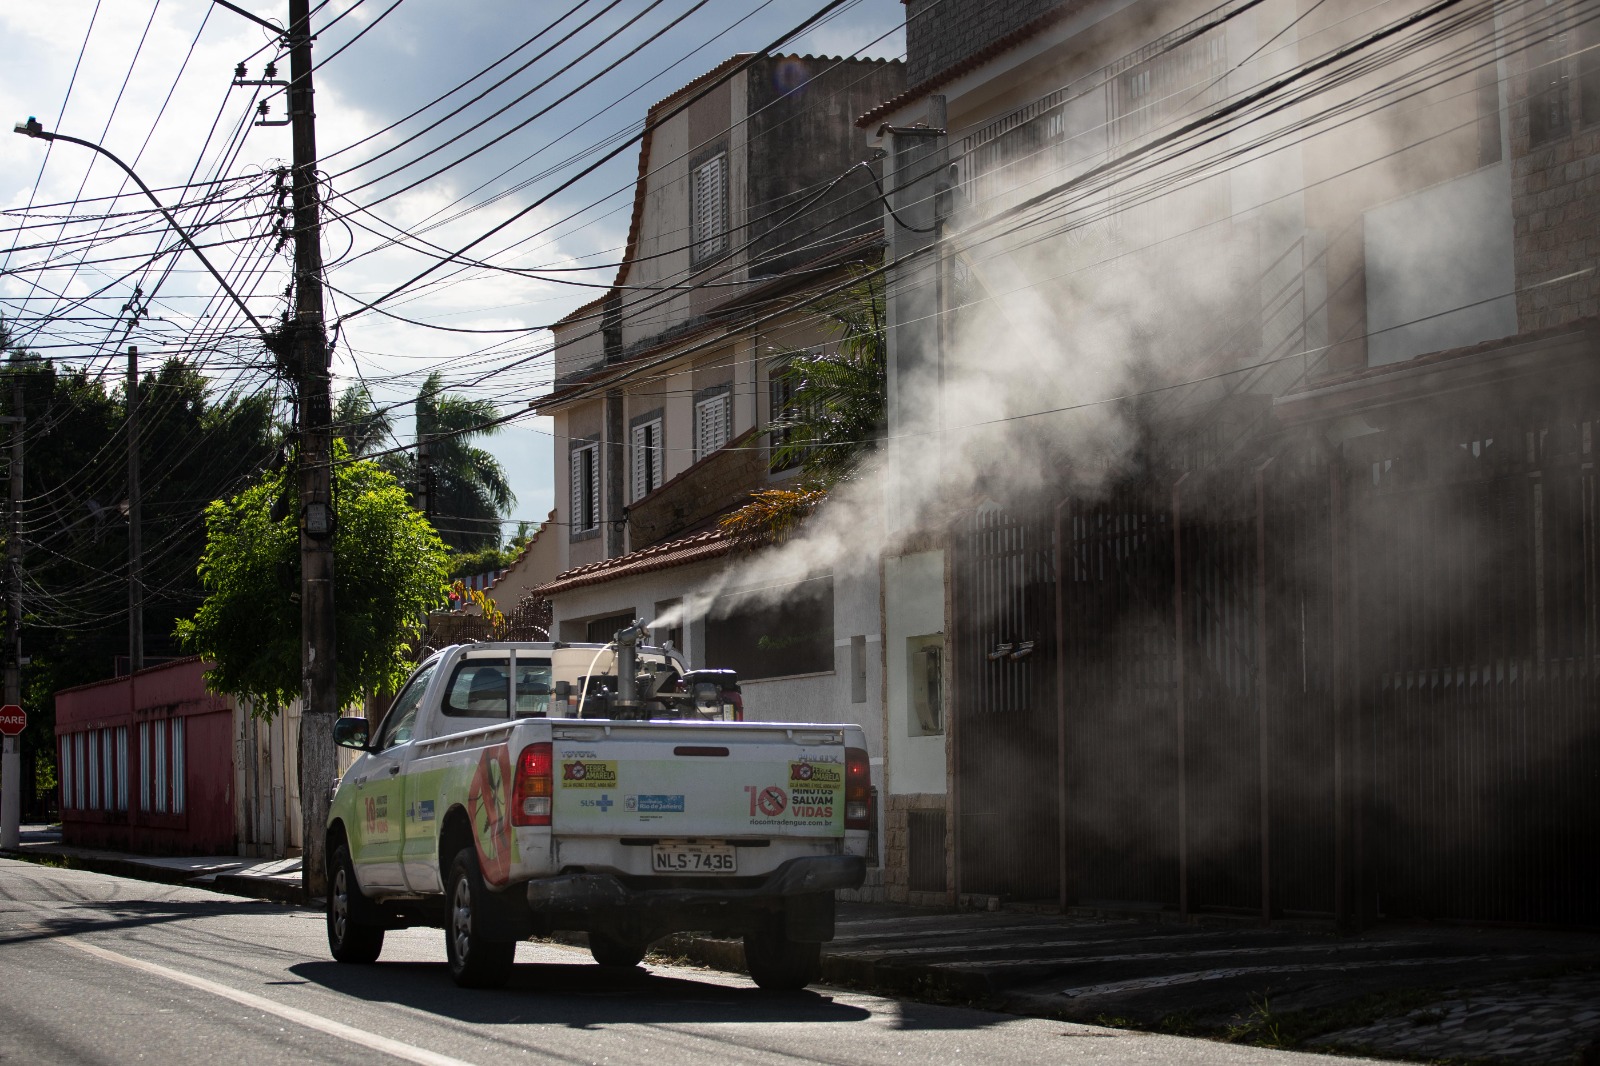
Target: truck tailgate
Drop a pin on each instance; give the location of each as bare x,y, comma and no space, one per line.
688,780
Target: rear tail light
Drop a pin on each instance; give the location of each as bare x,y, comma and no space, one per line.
857,789
533,787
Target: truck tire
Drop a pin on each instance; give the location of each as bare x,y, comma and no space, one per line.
349,939
475,960
779,964
614,951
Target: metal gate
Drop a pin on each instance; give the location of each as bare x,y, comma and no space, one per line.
1475,555
1119,655
1005,727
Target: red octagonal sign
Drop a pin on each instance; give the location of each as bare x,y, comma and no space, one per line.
13,720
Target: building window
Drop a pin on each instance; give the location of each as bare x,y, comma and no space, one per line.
1174,82
585,476
93,767
782,395
712,424
858,668
67,776
647,458
161,766
1549,78
1589,73
604,630
708,208
776,632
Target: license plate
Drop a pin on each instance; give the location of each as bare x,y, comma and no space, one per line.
693,859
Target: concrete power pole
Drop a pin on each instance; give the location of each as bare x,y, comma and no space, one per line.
319,699
135,532
11,760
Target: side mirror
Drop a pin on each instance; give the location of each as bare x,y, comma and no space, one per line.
351,733
563,689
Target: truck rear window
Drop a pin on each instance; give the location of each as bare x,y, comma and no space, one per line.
479,687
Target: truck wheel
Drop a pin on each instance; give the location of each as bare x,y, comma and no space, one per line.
779,964
615,951
475,960
349,939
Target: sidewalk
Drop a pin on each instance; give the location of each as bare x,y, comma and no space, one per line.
1402,991
270,879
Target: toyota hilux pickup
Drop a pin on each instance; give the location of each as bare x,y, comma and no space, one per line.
512,790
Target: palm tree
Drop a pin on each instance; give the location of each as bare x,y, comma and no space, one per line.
837,414
467,489
359,422
834,419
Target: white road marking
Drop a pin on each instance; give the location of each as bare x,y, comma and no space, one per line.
398,1049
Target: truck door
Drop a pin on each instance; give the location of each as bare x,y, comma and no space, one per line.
380,821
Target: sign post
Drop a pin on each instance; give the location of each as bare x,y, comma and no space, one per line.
13,720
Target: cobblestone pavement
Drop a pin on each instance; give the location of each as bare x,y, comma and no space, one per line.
1534,1022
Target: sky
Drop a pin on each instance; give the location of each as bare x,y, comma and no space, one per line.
150,80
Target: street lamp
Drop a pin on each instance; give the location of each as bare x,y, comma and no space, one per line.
32,128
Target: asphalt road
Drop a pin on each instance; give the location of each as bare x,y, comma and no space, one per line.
99,969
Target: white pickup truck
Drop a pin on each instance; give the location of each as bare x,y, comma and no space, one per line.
515,789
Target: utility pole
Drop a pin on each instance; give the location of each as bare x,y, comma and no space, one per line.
319,699
11,759
135,532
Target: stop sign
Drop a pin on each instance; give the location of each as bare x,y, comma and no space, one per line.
13,720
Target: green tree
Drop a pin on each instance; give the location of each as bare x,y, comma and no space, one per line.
389,571
836,415
466,488
834,418
198,443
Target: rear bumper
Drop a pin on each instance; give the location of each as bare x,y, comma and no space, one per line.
567,893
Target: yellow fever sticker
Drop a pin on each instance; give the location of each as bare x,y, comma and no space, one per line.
806,774
588,773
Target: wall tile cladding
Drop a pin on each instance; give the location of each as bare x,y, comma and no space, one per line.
1555,209
802,134
1555,206
943,32
703,491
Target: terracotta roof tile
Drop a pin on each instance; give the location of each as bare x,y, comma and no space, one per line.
711,544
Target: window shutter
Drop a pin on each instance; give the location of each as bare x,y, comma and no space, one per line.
575,475
591,467
708,215
583,470
658,456
646,458
711,425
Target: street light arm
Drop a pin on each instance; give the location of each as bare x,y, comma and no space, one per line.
237,10
31,128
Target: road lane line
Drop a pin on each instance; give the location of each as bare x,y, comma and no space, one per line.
398,1049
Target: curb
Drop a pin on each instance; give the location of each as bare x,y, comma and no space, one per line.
867,974
260,888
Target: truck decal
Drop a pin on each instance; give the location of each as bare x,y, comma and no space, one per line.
588,773
488,805
654,804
